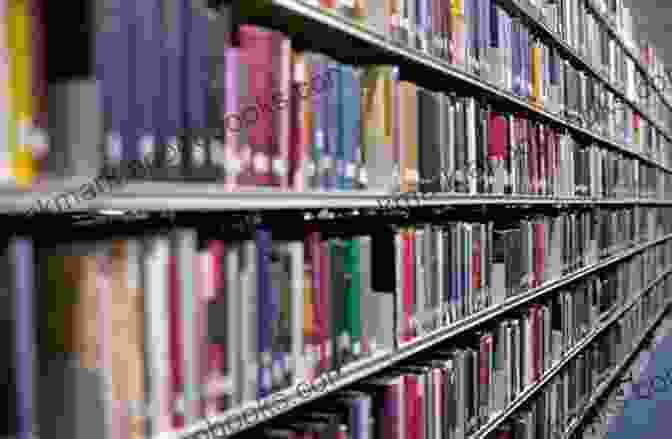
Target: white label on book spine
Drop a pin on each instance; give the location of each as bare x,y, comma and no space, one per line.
260,163
280,167
147,148
350,170
114,147
326,162
363,176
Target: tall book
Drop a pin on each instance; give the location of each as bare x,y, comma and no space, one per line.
20,252
21,110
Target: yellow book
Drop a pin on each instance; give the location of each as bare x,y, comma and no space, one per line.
458,7
536,76
20,91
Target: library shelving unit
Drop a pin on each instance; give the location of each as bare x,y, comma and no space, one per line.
497,305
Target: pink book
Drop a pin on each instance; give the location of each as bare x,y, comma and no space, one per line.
231,128
298,147
104,293
281,101
257,110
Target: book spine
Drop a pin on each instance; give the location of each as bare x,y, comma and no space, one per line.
21,252
157,334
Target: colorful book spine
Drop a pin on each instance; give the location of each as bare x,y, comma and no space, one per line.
6,152
21,111
21,253
157,334
266,311
146,64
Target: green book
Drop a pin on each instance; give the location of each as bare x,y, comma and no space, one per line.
353,295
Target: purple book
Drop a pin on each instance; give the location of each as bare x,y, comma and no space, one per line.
525,62
196,158
331,124
21,254
360,412
317,72
112,68
146,68
484,7
172,86
265,311
516,57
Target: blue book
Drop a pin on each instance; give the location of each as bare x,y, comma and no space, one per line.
172,86
350,126
332,123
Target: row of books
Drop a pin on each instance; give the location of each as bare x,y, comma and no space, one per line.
486,40
566,396
162,329
265,114
454,391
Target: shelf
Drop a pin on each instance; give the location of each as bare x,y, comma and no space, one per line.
608,382
356,371
350,42
534,19
528,393
157,196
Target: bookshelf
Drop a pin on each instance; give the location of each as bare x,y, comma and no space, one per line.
635,241
350,374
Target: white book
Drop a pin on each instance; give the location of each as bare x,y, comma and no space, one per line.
157,312
248,330
296,312
185,241
235,319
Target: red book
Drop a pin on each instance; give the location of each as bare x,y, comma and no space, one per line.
532,166
312,328
175,344
215,352
280,101
541,130
412,406
409,284
484,369
497,136
256,109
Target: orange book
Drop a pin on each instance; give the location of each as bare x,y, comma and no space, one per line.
408,136
127,338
